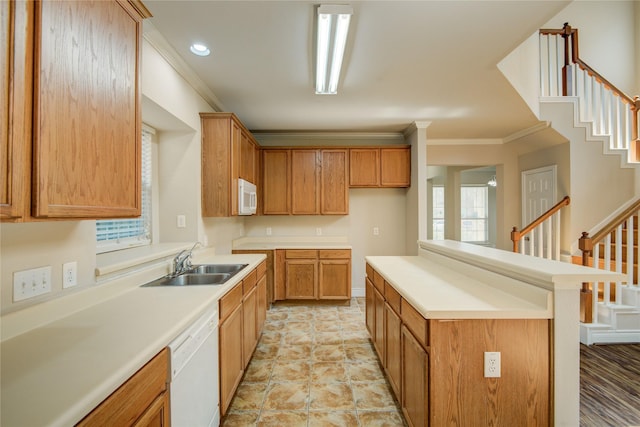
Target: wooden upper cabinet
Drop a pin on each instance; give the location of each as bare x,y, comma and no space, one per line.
305,191
276,180
228,153
364,169
334,182
86,123
71,139
395,167
380,167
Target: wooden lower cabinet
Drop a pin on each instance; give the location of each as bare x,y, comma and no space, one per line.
143,400
231,360
393,346
249,324
378,336
370,309
261,315
305,274
415,381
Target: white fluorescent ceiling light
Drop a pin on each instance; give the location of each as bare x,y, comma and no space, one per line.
333,27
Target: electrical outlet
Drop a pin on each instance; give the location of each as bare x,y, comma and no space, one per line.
492,364
268,231
31,283
318,231
181,221
69,274
376,231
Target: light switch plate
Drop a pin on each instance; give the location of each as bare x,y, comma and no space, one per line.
31,283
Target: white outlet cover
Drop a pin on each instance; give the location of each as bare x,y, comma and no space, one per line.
69,274
492,364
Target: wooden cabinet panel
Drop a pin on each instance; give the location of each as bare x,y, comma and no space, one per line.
392,296
230,301
279,276
364,167
304,182
378,282
370,309
247,158
157,415
395,167
415,322
334,185
335,279
86,124
334,254
415,382
249,325
392,324
378,336
276,182
301,279
231,360
263,305
136,397
249,281
301,253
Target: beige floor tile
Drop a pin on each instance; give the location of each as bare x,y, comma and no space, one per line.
274,326
365,371
301,315
282,419
294,351
298,337
327,325
240,419
266,351
333,396
277,315
292,370
359,353
287,397
332,337
333,419
356,338
249,396
259,370
299,326
270,337
373,396
328,352
328,372
381,419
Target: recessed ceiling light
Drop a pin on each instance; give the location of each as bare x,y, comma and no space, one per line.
200,49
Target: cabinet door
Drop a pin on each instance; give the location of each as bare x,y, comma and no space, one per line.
86,123
415,381
15,112
300,278
334,182
276,182
304,182
335,279
392,326
370,307
247,163
262,305
378,335
157,415
231,360
249,325
395,167
364,167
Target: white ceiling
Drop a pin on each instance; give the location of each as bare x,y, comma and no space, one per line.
405,61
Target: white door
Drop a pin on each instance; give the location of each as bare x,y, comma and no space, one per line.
538,192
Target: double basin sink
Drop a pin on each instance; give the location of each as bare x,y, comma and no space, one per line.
204,274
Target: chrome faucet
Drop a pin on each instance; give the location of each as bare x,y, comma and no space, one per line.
182,261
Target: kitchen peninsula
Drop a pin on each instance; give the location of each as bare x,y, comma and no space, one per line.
461,329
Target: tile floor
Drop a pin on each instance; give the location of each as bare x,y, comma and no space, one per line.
314,366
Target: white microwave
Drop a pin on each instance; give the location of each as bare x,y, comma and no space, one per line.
247,198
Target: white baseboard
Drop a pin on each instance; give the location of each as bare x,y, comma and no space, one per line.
357,292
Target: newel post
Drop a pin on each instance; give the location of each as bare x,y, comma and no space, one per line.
515,238
566,68
586,294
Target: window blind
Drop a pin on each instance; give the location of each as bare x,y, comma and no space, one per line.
114,234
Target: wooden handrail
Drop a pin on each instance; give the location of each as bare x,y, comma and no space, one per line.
567,32
612,225
517,235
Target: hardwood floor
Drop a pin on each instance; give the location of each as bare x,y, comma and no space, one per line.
610,385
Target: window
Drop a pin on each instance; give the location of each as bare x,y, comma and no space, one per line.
438,212
474,201
114,234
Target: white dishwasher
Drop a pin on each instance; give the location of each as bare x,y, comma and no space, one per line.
194,374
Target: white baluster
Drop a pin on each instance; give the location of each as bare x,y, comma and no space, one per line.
617,123
557,218
549,243
618,258
532,241
607,266
596,285
544,63
630,255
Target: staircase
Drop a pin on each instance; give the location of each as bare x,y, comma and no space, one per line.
601,124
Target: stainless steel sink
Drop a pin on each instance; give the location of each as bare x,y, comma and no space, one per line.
204,274
216,268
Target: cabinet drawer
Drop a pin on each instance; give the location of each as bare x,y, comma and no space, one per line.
262,269
300,253
414,321
334,253
230,301
378,282
249,282
369,270
392,296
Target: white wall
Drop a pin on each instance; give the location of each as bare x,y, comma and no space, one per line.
384,208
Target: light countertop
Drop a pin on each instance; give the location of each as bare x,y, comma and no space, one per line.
291,242
58,372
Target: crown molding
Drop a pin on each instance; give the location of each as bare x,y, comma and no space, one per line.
526,132
159,43
477,141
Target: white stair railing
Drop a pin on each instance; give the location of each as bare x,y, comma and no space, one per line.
541,238
611,112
